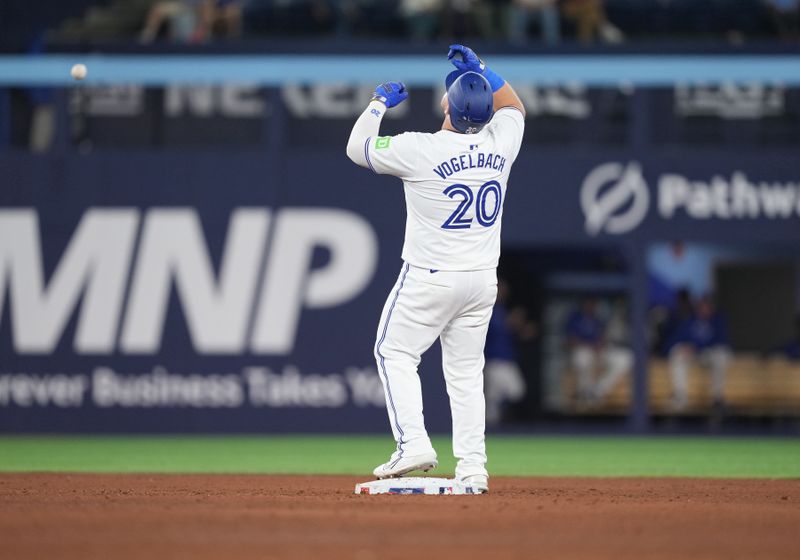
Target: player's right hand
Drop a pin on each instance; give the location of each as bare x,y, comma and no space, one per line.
391,94
469,61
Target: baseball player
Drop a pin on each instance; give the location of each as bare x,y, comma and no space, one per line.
592,341
704,337
455,185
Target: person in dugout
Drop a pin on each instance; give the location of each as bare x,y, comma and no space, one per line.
700,338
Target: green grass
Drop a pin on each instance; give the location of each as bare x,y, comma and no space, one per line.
518,456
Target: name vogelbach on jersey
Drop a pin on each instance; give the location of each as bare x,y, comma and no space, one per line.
466,161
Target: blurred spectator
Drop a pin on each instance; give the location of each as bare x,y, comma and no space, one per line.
681,311
193,21
702,337
42,129
422,17
508,20
180,17
786,17
224,17
417,19
522,12
459,17
619,356
491,18
688,265
503,379
590,346
589,17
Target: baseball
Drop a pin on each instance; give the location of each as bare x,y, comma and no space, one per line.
78,71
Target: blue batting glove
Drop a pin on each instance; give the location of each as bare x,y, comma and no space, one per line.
391,94
468,62
465,60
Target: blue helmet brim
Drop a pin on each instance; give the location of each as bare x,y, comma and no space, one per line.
452,77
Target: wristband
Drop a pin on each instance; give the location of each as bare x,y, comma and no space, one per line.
494,79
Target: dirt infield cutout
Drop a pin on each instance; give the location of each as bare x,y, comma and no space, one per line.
83,516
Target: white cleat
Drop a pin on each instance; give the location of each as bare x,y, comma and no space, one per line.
398,466
478,482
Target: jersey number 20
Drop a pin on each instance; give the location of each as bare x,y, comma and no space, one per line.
486,219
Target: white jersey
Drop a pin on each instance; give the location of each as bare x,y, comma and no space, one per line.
455,186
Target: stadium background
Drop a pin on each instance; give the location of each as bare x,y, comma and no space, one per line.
186,250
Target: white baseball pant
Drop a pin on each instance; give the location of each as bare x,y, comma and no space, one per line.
456,308
616,360
715,358
503,382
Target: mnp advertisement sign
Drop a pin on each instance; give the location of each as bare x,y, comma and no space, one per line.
179,293
240,292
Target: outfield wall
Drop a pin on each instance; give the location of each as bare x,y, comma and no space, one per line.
241,292
206,258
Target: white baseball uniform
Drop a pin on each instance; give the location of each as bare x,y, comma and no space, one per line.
455,186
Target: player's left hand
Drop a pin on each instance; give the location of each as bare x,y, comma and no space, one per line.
391,94
465,60
469,61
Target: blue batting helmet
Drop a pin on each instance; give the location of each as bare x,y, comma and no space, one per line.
470,102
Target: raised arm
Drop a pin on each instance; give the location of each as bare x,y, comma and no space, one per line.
465,60
386,96
507,97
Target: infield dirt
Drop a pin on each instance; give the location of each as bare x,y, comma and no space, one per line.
69,516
